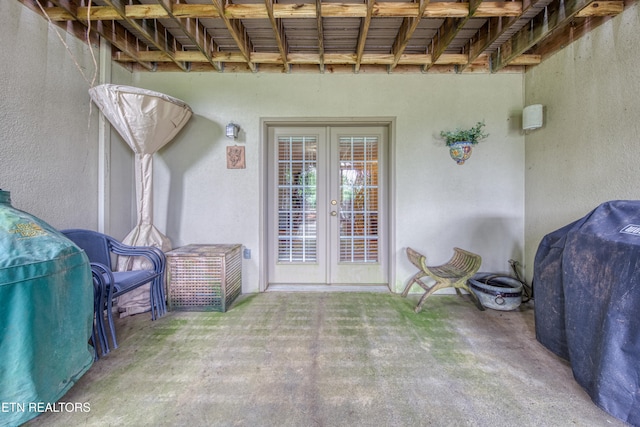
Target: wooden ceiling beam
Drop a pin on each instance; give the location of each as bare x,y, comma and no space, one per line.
99,13
601,8
278,33
408,27
448,31
70,24
194,31
286,11
495,27
365,23
528,59
329,58
152,35
238,33
320,35
507,8
147,11
556,15
111,31
566,34
136,31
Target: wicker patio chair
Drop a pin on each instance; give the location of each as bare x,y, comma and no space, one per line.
455,273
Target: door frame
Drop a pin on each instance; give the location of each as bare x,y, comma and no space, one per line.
267,122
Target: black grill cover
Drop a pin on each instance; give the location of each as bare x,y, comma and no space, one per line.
587,306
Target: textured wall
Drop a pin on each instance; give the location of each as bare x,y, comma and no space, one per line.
587,151
438,204
47,134
50,161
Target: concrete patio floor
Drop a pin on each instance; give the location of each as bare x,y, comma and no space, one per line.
331,359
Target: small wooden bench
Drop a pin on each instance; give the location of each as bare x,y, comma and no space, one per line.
455,273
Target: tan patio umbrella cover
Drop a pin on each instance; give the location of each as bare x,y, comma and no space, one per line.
147,121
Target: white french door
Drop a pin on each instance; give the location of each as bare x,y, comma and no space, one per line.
327,205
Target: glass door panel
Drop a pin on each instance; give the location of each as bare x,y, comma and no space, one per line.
358,238
297,207
358,199
297,230
326,205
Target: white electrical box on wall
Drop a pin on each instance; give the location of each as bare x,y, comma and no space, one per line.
532,117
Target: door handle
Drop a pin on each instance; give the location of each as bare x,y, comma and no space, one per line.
334,213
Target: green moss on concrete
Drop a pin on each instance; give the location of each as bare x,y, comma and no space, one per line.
328,359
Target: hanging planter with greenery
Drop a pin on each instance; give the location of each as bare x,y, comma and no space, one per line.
461,141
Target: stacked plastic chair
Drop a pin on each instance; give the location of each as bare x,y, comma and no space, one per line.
111,284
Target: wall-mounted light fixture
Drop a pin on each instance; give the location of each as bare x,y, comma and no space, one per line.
232,130
532,117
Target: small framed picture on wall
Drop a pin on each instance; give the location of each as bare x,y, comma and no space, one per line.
235,157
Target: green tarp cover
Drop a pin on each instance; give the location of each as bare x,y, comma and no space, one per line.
46,316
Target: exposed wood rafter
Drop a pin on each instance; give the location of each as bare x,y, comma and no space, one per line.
365,23
474,36
409,25
109,30
320,35
495,27
190,27
555,16
238,33
278,32
154,35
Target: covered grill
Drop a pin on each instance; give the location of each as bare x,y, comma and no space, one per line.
46,314
587,284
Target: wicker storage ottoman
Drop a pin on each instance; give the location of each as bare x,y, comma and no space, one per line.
203,277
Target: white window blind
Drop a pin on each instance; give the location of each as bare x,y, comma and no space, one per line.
359,199
297,207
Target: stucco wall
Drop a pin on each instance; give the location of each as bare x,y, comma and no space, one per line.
50,162
581,157
47,134
587,151
437,204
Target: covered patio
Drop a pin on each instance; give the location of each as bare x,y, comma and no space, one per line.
332,359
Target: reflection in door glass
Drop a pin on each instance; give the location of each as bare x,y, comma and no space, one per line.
297,187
